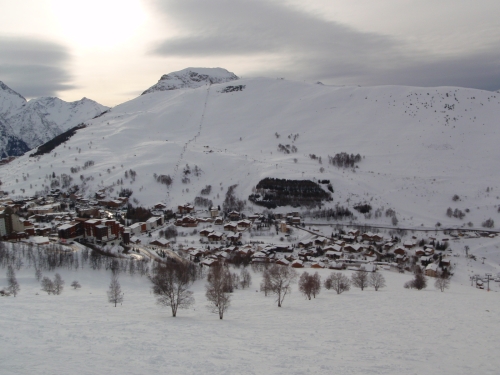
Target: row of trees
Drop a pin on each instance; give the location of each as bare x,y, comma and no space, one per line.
344,160
419,281
336,213
55,286
459,214
163,179
52,257
171,282
56,141
310,285
273,192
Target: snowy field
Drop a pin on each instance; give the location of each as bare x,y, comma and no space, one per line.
392,331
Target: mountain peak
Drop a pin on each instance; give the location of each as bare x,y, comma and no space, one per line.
6,88
191,78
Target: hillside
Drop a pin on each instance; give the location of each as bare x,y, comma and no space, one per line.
419,147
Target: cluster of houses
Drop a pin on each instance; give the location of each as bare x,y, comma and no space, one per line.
107,231
130,233
288,255
222,238
233,224
90,219
93,230
16,228
353,250
186,217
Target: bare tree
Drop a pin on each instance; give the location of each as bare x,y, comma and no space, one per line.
316,284
218,289
310,285
265,284
38,274
305,285
18,263
279,281
377,281
360,279
170,286
246,279
115,294
47,285
235,281
75,284
338,282
58,284
442,282
13,287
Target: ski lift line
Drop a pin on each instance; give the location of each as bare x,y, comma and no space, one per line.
194,138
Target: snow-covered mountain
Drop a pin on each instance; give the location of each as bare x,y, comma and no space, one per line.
42,119
191,78
10,100
24,125
419,147
9,143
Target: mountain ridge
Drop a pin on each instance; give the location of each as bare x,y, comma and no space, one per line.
4,87
28,124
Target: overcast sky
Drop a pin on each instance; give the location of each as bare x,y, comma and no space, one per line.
112,50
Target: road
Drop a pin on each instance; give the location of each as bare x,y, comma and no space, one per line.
418,229
148,251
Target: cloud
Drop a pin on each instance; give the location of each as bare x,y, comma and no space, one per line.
34,67
307,46
479,69
229,28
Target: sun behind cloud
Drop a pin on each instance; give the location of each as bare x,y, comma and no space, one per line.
99,23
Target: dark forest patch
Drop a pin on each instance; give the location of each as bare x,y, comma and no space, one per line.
232,88
273,192
56,141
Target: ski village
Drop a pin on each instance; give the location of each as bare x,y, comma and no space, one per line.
200,228
212,236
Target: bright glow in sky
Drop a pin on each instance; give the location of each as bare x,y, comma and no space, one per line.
107,24
112,50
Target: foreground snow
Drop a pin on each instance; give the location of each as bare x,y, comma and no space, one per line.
392,331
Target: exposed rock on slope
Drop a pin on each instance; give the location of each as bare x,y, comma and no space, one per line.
191,78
